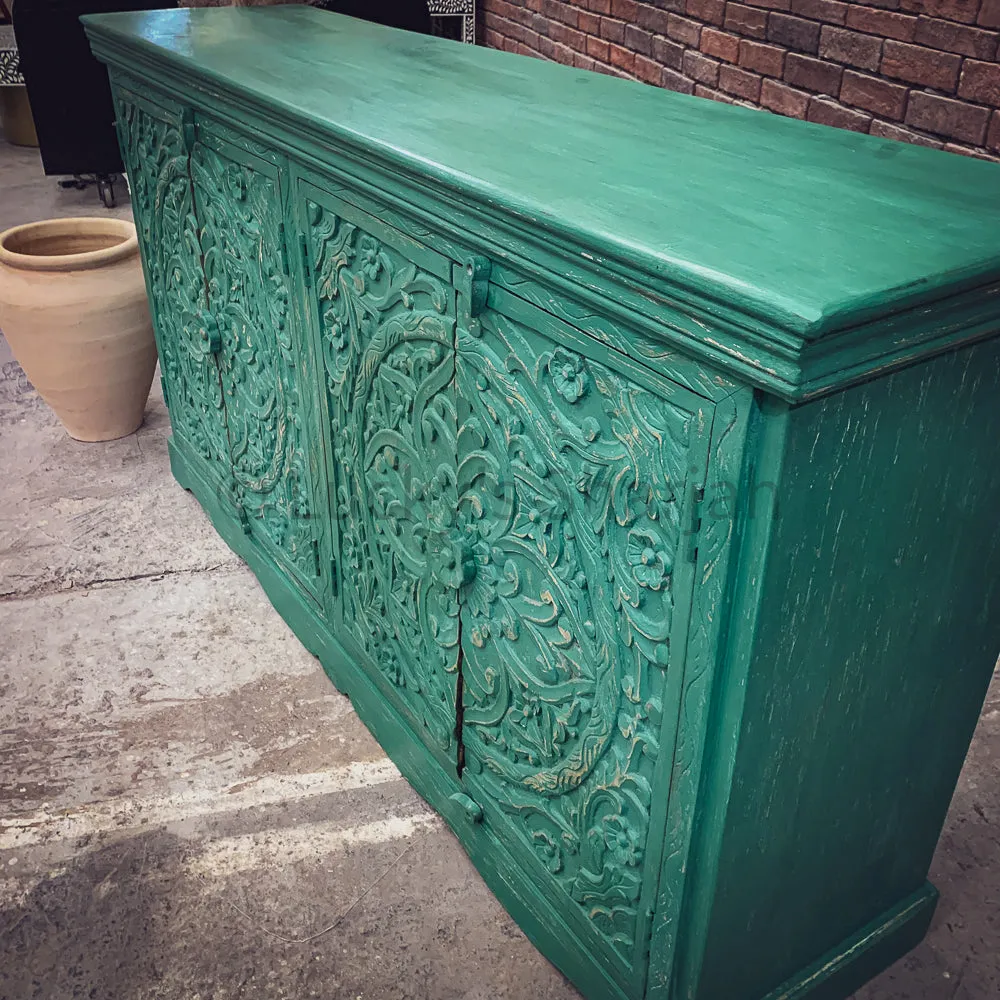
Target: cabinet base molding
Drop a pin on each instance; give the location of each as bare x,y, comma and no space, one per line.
846,968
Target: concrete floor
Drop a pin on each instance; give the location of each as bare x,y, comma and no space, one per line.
190,811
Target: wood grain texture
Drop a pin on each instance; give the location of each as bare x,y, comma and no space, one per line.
735,257
878,629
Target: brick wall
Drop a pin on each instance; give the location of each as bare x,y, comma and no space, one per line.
923,71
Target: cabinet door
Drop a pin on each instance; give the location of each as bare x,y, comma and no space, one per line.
574,479
384,312
152,138
274,441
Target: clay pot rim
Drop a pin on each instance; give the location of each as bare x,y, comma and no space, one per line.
71,261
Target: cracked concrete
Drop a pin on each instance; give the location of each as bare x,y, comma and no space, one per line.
190,811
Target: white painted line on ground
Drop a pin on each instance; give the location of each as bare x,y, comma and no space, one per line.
45,827
279,848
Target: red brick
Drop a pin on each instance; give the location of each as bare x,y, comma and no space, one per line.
873,94
599,6
830,11
885,130
707,11
613,31
681,29
673,80
947,117
980,82
937,34
622,58
566,35
774,4
701,68
766,59
556,51
794,33
651,18
739,82
638,39
712,95
916,64
887,23
989,16
625,10
850,47
647,70
584,62
597,48
668,53
951,10
746,20
812,74
720,44
954,147
830,113
590,24
783,99
993,136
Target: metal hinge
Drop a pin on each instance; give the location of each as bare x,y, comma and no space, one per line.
188,130
244,518
694,523
477,272
306,269
283,246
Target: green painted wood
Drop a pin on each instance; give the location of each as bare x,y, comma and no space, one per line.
157,157
273,459
713,213
690,671
577,535
385,324
858,686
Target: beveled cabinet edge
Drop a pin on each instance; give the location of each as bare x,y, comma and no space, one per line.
789,363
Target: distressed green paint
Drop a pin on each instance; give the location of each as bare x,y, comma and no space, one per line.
525,448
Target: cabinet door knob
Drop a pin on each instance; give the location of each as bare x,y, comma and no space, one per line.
472,809
207,333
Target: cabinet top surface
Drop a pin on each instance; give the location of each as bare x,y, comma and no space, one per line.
807,227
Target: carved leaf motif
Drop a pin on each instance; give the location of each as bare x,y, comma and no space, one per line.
569,487
388,354
239,209
164,213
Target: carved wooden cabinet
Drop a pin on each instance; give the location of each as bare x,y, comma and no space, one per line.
629,460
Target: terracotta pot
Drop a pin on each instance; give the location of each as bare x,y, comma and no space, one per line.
73,309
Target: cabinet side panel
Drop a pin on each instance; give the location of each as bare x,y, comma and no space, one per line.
878,630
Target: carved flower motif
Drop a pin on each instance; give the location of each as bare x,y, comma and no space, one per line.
370,262
547,850
568,375
649,559
336,330
622,841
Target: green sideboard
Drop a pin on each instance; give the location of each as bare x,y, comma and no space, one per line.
630,460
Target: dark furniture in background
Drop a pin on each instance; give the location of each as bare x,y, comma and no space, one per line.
68,88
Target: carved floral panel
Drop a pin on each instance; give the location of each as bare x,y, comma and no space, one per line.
164,213
239,211
387,330
571,480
